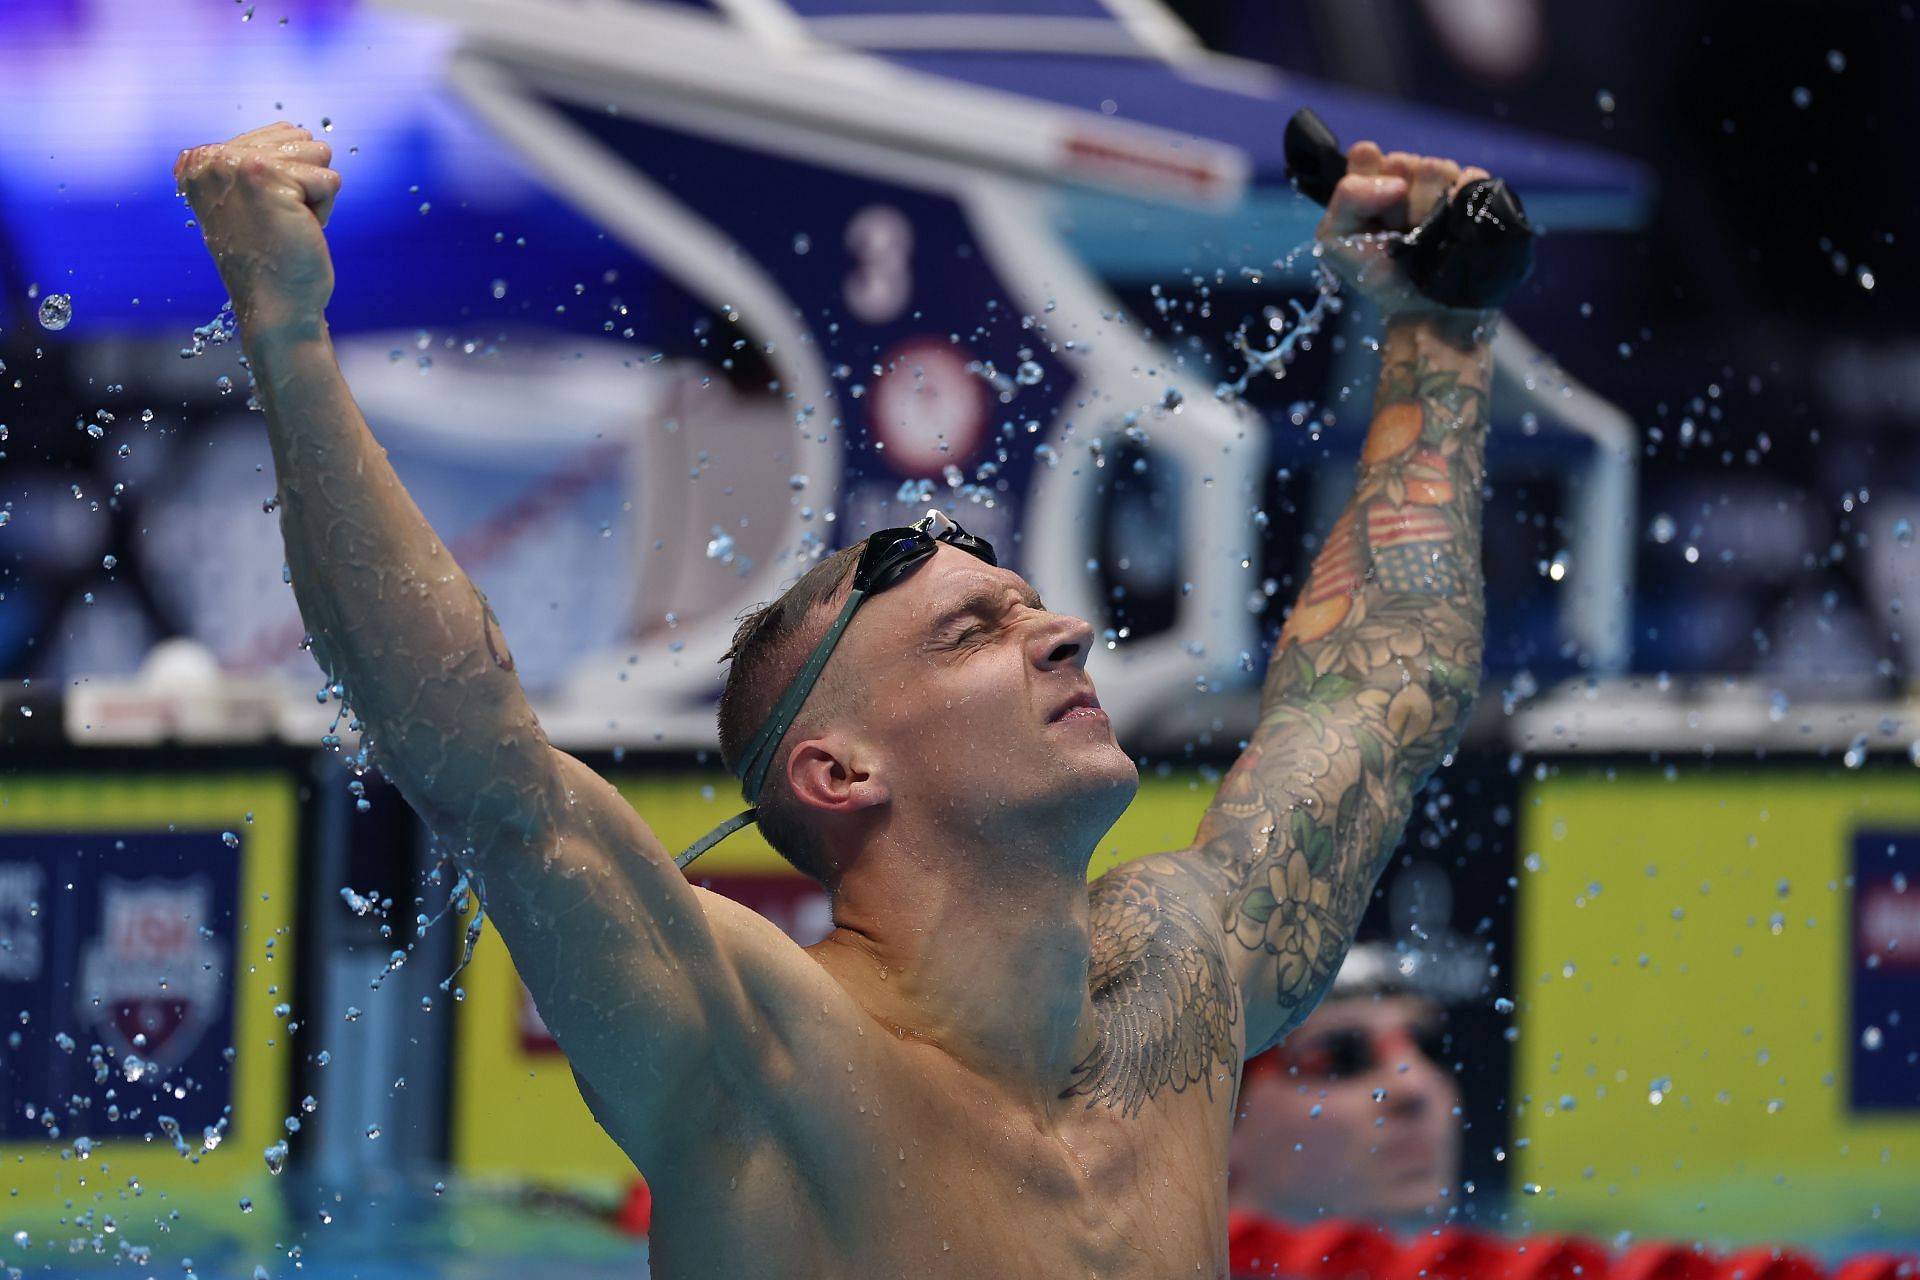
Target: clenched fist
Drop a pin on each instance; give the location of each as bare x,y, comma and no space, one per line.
261,201
1382,193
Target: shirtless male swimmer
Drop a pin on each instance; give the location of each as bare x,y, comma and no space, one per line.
987,1070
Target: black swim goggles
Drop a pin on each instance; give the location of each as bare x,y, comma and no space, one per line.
890,555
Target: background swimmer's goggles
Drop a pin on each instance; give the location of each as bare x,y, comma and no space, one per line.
890,555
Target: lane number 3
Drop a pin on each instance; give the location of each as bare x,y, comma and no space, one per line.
880,238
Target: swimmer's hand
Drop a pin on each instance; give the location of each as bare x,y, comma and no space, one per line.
262,200
1380,194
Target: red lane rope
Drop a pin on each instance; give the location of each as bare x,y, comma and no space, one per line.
1265,1249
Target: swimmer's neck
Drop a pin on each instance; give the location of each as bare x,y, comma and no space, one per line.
989,964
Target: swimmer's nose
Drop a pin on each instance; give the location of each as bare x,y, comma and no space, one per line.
1062,642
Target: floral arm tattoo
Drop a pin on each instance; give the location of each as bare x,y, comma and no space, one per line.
1366,693
1370,683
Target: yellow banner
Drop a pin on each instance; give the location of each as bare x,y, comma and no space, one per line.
49,1181
1684,960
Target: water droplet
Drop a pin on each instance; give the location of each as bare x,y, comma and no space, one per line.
1604,101
1503,1005
229,839
1802,96
276,1157
802,244
56,311
1662,529
1863,277
1836,61
796,482
373,1131
1871,1039
1029,374
720,546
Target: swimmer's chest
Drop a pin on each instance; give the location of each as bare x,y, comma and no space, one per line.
897,1162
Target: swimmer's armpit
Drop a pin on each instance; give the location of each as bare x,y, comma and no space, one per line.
1368,688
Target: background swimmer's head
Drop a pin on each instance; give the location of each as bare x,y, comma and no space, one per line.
1356,1113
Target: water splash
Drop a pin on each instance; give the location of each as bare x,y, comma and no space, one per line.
56,311
1307,321
214,333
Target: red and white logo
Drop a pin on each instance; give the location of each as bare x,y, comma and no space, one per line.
1889,925
152,971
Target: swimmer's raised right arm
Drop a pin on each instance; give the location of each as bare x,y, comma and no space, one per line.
632,970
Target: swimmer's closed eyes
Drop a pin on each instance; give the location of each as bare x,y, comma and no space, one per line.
984,607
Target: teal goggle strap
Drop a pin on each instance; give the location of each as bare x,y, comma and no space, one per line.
758,757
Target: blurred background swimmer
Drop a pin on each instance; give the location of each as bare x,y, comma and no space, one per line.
1356,1114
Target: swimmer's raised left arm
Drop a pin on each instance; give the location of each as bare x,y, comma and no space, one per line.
1366,694
1368,688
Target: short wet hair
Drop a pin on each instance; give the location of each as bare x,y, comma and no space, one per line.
769,646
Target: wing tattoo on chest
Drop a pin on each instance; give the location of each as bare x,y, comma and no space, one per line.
1163,995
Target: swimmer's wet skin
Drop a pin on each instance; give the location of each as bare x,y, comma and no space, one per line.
986,1070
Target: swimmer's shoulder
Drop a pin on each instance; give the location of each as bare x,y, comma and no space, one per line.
802,1008
802,1018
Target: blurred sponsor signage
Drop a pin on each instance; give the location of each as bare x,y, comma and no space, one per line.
1885,1044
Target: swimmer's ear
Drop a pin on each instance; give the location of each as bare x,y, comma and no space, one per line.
823,773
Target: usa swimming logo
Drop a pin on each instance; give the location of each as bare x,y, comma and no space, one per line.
153,970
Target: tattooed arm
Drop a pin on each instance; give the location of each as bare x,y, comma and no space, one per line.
1368,687
1367,691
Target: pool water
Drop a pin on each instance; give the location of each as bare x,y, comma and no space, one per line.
390,1234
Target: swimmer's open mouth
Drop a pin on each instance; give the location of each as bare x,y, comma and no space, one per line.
1080,704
